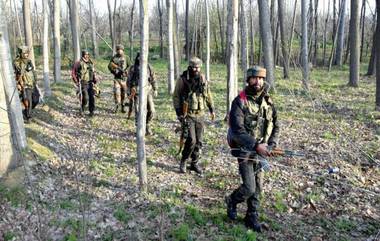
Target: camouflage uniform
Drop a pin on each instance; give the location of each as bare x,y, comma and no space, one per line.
253,121
194,91
85,74
26,79
118,66
133,91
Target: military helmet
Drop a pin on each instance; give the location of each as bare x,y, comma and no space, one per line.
195,62
119,46
84,52
23,49
256,71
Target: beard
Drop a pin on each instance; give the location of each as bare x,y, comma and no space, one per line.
254,89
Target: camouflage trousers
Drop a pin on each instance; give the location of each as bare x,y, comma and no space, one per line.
151,111
26,100
120,90
193,143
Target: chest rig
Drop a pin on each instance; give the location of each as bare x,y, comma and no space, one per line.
195,93
258,116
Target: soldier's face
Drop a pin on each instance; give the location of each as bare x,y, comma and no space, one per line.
25,55
86,56
196,70
120,51
256,82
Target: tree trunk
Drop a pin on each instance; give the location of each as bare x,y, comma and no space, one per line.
354,44
221,29
335,35
377,44
187,30
20,40
75,28
171,82
57,41
28,29
292,31
315,56
177,45
111,23
93,29
207,40
372,59
233,11
284,46
340,42
304,49
266,36
251,35
161,32
143,81
45,49
362,24
334,19
244,44
325,35
132,29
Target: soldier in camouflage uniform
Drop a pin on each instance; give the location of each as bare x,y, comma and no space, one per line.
133,91
192,91
26,79
118,66
86,82
253,132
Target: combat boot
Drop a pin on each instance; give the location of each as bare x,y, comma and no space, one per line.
182,166
252,221
231,208
195,167
116,108
123,109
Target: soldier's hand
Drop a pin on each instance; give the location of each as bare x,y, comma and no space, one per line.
155,93
212,116
262,150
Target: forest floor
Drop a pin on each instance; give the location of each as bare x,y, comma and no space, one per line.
80,179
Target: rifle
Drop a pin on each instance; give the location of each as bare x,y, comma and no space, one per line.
276,151
184,127
133,93
115,66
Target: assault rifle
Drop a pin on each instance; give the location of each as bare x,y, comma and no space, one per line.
184,127
117,67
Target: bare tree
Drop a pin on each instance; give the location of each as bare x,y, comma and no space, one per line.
251,35
283,40
362,25
177,42
233,10
28,28
93,28
161,32
304,49
340,41
221,28
315,55
74,17
141,126
267,42
112,28
187,30
57,41
45,49
325,35
372,59
354,44
207,40
171,82
131,30
377,44
292,31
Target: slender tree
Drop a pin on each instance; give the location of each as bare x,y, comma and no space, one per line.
304,49
377,44
284,46
159,8
93,29
340,42
221,31
74,22
354,44
28,28
171,82
57,41
362,25
177,47
187,30
315,55
267,43
292,31
372,59
207,40
243,39
45,48
251,35
233,10
112,28
325,35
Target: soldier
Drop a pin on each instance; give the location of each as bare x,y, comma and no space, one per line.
252,133
190,98
118,66
86,82
26,79
133,81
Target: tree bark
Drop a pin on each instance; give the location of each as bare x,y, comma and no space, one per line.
372,59
244,44
176,42
233,11
377,44
57,41
45,49
315,55
207,40
325,35
75,28
221,29
267,43
354,44
340,42
304,49
28,29
171,82
141,126
161,32
284,46
362,24
111,23
251,35
93,29
292,31
132,29
187,30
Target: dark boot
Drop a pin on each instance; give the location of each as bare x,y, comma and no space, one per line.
182,166
122,108
231,208
252,222
148,132
116,108
195,167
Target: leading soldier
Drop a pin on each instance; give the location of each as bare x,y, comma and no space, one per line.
118,66
253,132
26,79
190,99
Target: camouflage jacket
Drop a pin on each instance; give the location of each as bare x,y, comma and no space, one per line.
119,65
85,71
194,91
25,74
134,76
